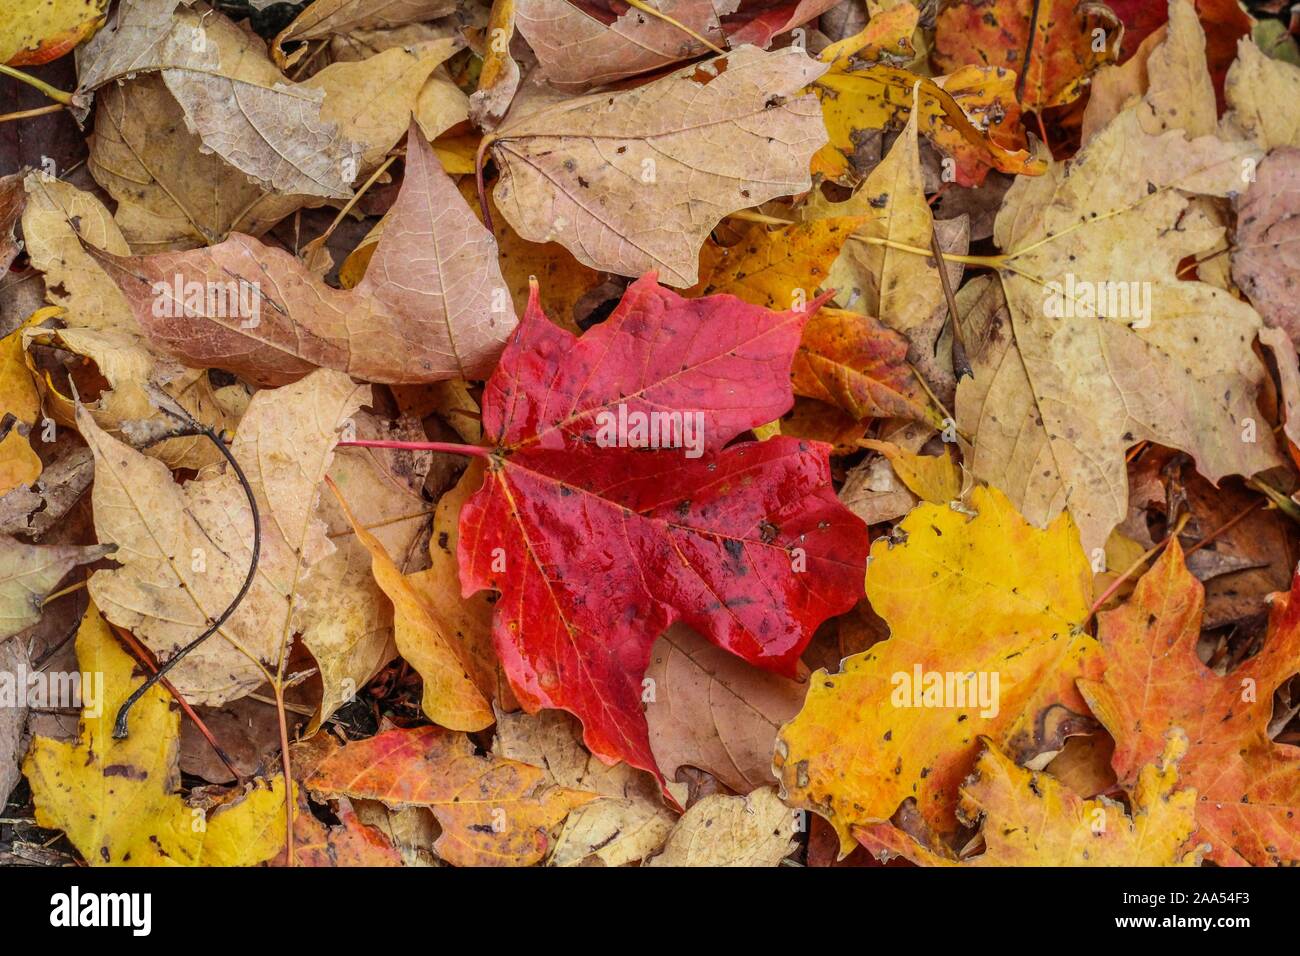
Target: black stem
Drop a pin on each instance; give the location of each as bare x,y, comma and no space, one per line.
1029,51
196,428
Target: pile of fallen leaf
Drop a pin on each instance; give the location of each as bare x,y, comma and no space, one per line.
332,531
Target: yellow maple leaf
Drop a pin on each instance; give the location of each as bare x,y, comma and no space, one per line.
1032,819
19,464
779,268
985,618
426,639
116,799
934,478
37,31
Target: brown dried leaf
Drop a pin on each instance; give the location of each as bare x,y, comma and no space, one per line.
432,305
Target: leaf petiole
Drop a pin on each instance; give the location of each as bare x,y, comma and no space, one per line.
55,94
450,448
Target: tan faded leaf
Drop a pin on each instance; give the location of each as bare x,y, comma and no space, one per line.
238,102
424,639
170,193
131,372
73,279
552,740
611,832
1100,344
576,50
754,830
933,478
1263,99
28,572
173,193
186,549
633,181
351,638
325,18
1264,257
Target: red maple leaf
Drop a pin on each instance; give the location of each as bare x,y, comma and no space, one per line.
597,549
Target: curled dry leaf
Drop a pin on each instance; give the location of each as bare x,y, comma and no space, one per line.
432,305
933,478
132,374
857,363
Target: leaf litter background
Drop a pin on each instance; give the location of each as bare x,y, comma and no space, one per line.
852,236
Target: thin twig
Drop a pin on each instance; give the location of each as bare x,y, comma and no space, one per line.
28,114
1227,525
143,656
278,686
450,448
288,704
1029,52
988,262
1147,555
119,727
312,247
480,159
960,363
